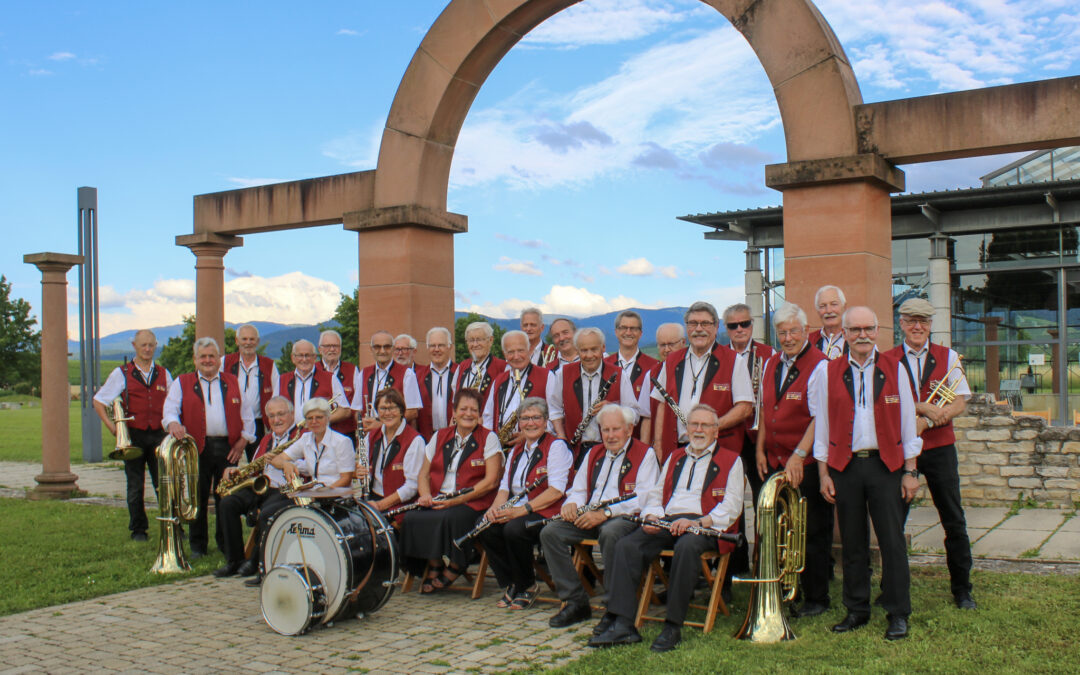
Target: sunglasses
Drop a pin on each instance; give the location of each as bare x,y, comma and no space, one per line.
740,324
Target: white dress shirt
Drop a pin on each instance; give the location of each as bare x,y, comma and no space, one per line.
590,390
511,399
356,383
687,500
214,404
690,394
537,353
325,461
117,382
559,462
607,482
449,483
412,460
249,377
812,382
276,475
441,381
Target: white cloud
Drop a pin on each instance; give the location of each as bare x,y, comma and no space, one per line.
641,267
61,56
526,267
39,72
568,300
255,182
347,31
606,22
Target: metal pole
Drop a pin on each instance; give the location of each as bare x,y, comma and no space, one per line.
89,336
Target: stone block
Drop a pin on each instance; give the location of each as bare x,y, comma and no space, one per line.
1071,447
995,458
1063,483
965,422
989,435
1074,472
1023,459
1034,520
1009,471
1058,495
1025,434
999,421
1047,445
997,481
1052,471
968,468
1057,460
1061,546
1012,446
1007,544
1007,495
970,447
1025,482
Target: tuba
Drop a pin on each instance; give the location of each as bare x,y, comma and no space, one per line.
124,448
178,495
778,560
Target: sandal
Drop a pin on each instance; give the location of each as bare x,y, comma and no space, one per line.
525,599
443,581
428,586
507,598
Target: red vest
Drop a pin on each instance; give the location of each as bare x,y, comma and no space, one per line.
494,367
266,376
471,468
886,412
268,438
193,410
934,369
628,470
537,469
715,386
322,386
344,375
144,400
394,474
424,378
533,384
785,412
395,379
761,351
714,487
573,394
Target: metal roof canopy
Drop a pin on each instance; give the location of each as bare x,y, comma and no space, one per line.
923,214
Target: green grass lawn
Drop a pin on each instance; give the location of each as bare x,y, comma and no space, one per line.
55,552
20,434
106,368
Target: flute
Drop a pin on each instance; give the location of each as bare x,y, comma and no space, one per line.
735,538
582,510
508,504
437,499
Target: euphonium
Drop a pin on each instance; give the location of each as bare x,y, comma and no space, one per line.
178,495
548,355
124,448
778,560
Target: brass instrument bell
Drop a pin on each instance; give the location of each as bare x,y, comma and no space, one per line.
124,448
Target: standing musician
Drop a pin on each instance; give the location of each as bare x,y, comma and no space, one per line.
740,330
576,392
435,381
866,443
509,541
829,301
785,442
561,334
481,368
206,404
404,350
670,337
258,377
519,381
703,373
532,324
306,382
700,485
637,365
926,363
466,455
386,373
143,385
619,467
347,375
395,453
279,417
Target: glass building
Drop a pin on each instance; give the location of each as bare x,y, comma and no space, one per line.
1006,252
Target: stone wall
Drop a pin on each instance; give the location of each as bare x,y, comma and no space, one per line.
1003,458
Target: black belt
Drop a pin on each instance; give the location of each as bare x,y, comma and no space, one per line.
218,439
863,454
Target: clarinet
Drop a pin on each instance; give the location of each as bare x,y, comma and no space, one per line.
735,538
582,510
508,504
601,394
416,505
362,486
670,401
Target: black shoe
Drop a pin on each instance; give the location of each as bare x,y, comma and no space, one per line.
254,582
964,600
622,632
138,536
197,553
809,609
851,622
605,623
228,569
897,629
569,615
668,639
248,568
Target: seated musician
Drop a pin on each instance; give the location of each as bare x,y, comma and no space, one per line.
701,485
279,420
322,455
466,455
509,541
395,454
621,466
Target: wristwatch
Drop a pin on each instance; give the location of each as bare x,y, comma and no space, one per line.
607,511
528,508
914,473
929,422
801,453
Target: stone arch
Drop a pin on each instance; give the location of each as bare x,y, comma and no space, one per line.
811,77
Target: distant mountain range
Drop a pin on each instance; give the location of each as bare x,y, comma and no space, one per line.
276,335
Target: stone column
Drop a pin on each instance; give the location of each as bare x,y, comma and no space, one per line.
406,275
940,290
210,250
56,480
838,230
755,288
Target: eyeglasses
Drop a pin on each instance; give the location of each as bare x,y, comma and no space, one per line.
476,341
381,348
859,330
916,320
631,329
403,350
669,345
732,325
302,356
437,345
701,425
388,408
700,324
795,332
531,418
329,346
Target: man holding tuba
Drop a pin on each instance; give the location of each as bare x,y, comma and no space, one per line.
207,405
928,365
142,386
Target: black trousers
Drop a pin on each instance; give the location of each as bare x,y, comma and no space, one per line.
509,547
212,462
135,472
814,579
637,550
230,516
939,467
866,484
250,448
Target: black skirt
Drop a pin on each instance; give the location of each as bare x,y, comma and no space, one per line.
429,534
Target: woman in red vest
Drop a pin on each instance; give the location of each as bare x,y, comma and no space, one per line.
465,455
395,453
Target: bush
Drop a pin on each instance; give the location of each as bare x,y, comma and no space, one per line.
25,388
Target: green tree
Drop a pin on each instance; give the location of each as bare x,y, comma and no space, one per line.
20,344
285,364
178,353
461,349
347,316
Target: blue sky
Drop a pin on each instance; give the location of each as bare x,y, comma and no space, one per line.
586,142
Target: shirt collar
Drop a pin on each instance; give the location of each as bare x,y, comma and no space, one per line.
747,348
788,360
869,362
301,377
210,380
328,368
708,451
917,353
633,358
621,450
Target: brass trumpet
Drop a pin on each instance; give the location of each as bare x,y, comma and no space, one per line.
942,394
124,448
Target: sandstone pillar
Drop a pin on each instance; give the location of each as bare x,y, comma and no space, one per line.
56,480
755,288
406,271
940,290
210,250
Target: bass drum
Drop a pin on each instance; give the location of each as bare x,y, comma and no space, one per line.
351,546
292,598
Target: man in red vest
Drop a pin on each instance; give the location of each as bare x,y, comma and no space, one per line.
482,367
258,377
512,386
785,442
700,485
926,363
386,373
637,365
207,406
306,382
435,381
347,374
143,386
829,301
866,443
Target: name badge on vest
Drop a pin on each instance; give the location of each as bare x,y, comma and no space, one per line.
477,462
159,387
793,396
629,487
894,398
718,492
721,387
397,467
541,470
235,401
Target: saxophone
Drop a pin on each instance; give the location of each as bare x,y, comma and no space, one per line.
251,474
506,431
